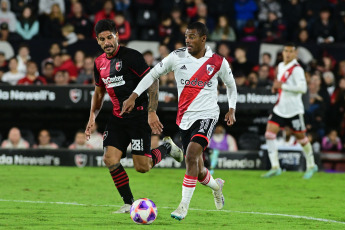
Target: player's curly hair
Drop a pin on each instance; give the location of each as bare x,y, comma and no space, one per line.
200,27
105,25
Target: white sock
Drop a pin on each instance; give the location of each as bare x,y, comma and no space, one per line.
188,187
309,156
209,181
273,152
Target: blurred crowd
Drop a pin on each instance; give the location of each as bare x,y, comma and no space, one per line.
243,21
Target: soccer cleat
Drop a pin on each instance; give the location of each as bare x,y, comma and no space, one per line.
175,151
124,209
181,212
272,172
310,172
218,195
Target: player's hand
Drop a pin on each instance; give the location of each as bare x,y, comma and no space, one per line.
88,128
154,123
230,117
128,104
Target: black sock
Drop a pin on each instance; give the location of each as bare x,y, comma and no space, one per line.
157,153
121,182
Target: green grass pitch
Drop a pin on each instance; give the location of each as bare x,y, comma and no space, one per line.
33,197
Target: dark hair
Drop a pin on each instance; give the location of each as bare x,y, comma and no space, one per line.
200,27
268,54
290,44
147,52
104,25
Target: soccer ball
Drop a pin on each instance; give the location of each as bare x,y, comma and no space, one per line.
143,211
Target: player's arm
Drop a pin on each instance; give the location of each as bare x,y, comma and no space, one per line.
160,69
300,84
231,92
153,119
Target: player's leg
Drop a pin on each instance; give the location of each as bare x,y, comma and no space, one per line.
205,178
111,158
272,128
299,129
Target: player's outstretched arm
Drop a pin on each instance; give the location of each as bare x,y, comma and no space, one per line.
153,120
96,106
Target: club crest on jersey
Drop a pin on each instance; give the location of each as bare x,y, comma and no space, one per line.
75,95
118,66
210,69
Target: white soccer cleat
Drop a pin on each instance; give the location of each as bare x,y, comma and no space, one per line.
175,151
124,209
181,212
218,195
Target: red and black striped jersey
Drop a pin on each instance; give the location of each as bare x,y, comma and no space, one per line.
120,74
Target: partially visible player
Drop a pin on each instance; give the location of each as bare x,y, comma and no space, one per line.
196,69
118,71
288,111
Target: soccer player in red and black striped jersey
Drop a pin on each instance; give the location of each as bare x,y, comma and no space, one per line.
118,71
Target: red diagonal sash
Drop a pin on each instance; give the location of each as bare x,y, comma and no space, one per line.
189,93
284,78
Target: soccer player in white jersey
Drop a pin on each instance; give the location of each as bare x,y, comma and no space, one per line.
288,111
196,69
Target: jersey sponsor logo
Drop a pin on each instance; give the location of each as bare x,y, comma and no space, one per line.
210,69
137,144
75,95
196,82
118,66
113,81
80,160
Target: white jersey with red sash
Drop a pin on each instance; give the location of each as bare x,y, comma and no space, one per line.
196,84
289,101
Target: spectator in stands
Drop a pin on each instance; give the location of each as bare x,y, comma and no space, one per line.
6,15
266,58
79,59
245,10
267,6
44,141
292,13
48,72
96,138
15,140
341,70
312,136
122,5
86,73
27,25
224,50
177,17
53,50
165,29
329,80
17,6
190,9
303,37
273,29
13,75
253,80
249,32
332,142
203,14
241,64
240,79
53,23
3,64
287,138
223,31
222,141
149,58
64,62
70,37
123,28
61,78
327,63
106,13
23,57
45,6
31,77
163,51
80,141
263,75
6,47
324,28
80,21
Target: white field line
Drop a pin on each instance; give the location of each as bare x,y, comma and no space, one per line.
193,209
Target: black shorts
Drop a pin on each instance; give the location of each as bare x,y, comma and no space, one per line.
296,123
119,133
200,132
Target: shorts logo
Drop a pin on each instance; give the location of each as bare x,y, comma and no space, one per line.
80,160
105,135
204,125
75,95
118,66
137,144
209,69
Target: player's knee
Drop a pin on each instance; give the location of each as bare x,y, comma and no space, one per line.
191,159
270,135
142,168
109,160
